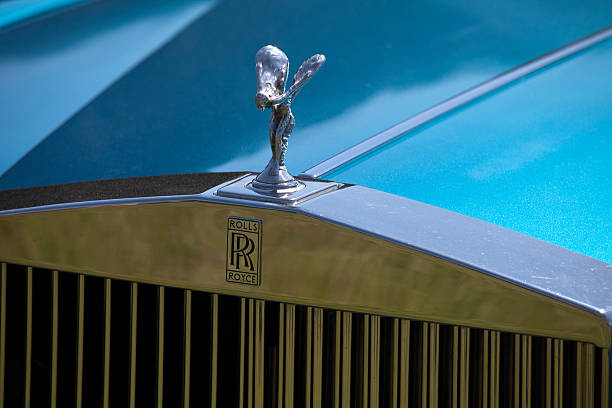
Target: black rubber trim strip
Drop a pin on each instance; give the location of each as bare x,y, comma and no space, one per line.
179,184
455,102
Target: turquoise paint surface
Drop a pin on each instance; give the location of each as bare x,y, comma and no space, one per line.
189,106
52,67
12,11
535,157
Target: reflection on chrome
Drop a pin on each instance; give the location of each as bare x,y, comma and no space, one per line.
271,68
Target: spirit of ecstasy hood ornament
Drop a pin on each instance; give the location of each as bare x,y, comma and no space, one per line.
271,69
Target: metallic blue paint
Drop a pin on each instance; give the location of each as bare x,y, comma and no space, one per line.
189,107
368,145
14,11
535,157
51,67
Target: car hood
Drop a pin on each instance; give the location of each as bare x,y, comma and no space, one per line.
184,103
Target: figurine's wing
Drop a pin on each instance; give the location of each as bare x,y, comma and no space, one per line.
303,74
307,70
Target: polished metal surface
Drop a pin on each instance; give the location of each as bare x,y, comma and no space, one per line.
558,374
347,341
241,189
80,338
250,382
161,302
54,338
307,368
499,81
289,355
337,359
464,367
272,68
365,360
605,377
107,344
134,333
374,361
243,322
28,341
404,364
2,330
412,280
187,368
214,349
281,355
494,371
369,354
492,253
259,379
317,358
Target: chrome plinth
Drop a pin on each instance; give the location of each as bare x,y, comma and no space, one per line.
289,193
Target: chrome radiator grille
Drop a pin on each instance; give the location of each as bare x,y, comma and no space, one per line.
76,340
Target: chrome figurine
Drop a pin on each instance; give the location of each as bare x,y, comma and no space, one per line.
271,69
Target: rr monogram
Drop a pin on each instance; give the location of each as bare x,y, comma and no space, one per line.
243,251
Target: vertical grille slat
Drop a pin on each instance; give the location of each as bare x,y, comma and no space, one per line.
307,369
464,367
107,333
289,354
214,349
2,330
80,338
281,355
77,340
54,336
374,361
365,359
605,378
526,371
187,348
495,364
424,377
558,374
485,369
259,357
404,377
161,292
317,358
434,360
347,331
133,339
241,387
28,341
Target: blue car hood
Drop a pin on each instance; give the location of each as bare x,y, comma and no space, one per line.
184,102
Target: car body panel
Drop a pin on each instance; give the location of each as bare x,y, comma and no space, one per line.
533,157
53,66
16,11
189,107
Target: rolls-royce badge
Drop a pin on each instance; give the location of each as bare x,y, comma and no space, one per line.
243,261
271,69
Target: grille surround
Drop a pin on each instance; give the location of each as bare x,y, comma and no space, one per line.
304,261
